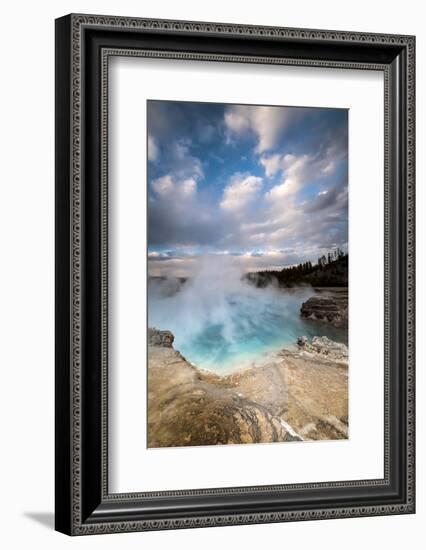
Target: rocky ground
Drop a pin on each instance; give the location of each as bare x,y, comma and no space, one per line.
328,305
294,395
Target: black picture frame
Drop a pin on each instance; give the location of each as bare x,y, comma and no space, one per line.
83,504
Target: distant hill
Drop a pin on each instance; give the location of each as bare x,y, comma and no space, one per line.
331,270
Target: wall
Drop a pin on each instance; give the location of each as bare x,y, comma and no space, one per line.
26,303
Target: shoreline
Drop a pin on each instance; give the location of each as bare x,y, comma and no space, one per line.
294,394
262,360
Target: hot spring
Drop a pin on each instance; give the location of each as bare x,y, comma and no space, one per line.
222,322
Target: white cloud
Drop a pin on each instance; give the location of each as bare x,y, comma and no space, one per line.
184,164
289,163
237,119
300,169
167,186
188,186
288,187
153,150
297,170
267,123
182,181
240,191
154,255
164,185
272,164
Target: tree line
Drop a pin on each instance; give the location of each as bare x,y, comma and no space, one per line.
331,269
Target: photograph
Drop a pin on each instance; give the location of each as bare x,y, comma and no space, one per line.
248,270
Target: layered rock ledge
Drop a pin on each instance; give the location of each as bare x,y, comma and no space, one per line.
329,307
294,395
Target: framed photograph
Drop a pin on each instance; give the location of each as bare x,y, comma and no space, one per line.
234,274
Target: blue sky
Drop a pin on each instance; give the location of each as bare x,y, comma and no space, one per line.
267,185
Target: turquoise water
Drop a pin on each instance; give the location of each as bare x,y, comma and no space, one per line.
252,338
223,327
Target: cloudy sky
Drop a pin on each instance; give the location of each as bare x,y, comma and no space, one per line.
266,185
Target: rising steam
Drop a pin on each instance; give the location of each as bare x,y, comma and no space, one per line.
219,319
